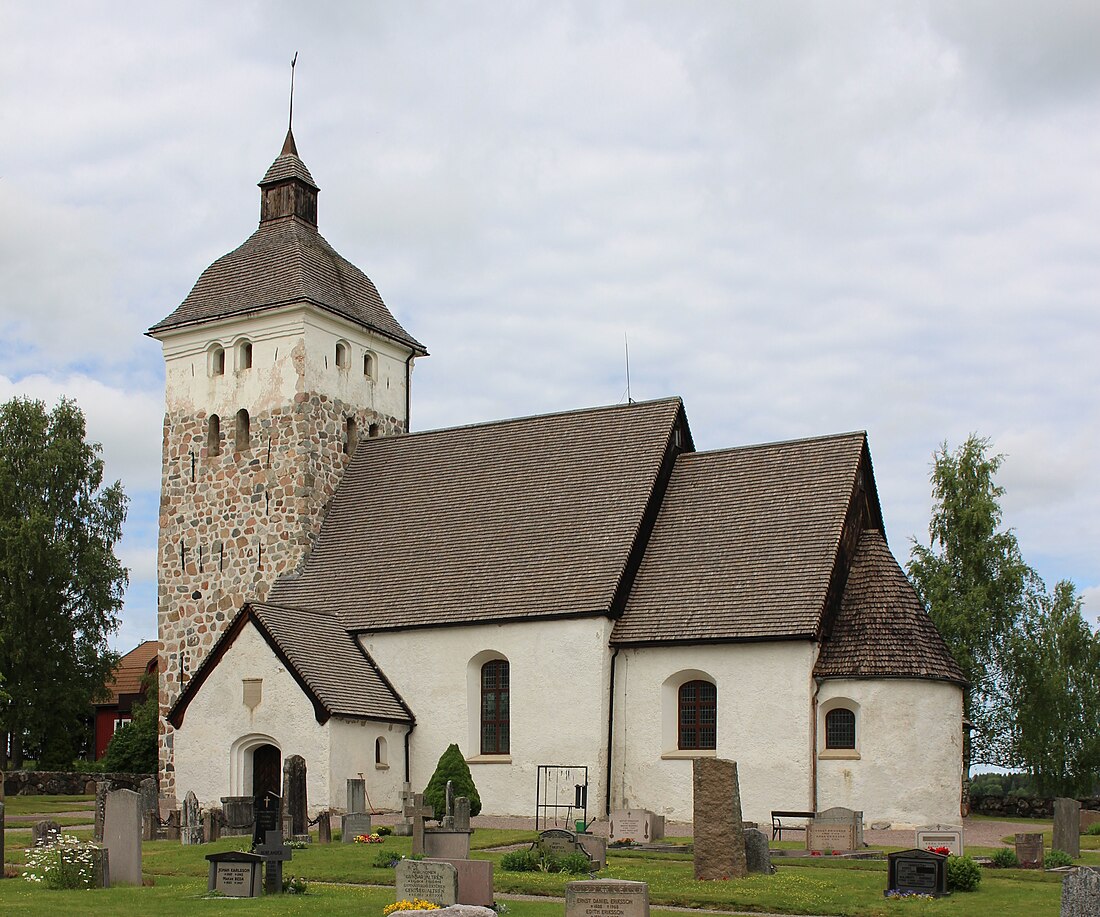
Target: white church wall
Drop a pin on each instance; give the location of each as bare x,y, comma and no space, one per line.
763,723
354,748
906,768
558,695
212,746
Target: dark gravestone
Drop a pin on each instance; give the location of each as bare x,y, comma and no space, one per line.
212,824
191,820
324,828
758,857
2,825
719,832
1029,850
172,826
294,794
45,833
147,790
275,853
102,787
1067,826
918,871
267,816
1081,894
238,815
234,874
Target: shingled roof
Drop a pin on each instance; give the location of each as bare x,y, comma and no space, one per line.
527,518
285,262
882,630
130,672
745,544
327,662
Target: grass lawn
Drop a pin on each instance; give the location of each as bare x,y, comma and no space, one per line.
45,806
802,886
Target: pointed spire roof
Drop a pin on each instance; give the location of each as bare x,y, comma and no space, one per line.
288,166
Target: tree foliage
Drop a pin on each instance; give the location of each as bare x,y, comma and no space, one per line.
974,583
61,584
452,766
133,748
1053,686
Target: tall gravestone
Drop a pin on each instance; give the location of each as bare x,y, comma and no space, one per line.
191,820
295,804
122,836
1081,894
147,789
719,832
357,795
102,787
239,815
1067,826
758,856
2,826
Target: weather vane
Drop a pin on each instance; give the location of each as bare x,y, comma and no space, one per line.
294,60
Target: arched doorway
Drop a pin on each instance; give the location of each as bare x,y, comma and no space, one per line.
267,770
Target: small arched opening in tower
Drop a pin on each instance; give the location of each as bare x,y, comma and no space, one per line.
213,436
351,436
243,438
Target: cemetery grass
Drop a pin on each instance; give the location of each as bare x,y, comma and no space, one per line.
46,806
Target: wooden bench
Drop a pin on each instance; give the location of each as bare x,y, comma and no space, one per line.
777,822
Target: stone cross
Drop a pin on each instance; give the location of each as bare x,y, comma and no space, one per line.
418,812
275,853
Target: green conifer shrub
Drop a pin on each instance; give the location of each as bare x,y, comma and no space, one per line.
452,766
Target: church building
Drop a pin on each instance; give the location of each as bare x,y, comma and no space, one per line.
582,589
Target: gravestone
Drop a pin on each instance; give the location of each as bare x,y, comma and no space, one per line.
1029,851
45,833
758,856
417,812
606,898
191,820
849,838
3,827
149,826
267,816
239,815
462,814
294,794
324,827
595,847
1081,894
1067,826
351,826
918,871
212,824
122,836
639,825
557,842
475,880
451,842
357,795
719,833
102,787
1088,817
274,853
428,880
172,826
404,828
950,836
147,789
235,874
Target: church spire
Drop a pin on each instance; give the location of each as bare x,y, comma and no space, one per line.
287,189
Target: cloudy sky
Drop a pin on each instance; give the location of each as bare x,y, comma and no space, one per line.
806,218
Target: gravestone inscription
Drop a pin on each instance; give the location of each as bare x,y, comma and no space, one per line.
918,871
428,880
1029,850
638,825
235,874
1081,894
122,836
267,816
606,898
949,836
719,831
839,815
830,837
1067,826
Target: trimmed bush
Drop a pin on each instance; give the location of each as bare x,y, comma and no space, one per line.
1057,858
576,864
963,874
520,861
1005,858
452,766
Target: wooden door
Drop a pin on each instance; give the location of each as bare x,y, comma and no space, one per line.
267,771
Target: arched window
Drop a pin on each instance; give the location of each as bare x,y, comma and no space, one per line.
373,430
697,715
244,355
380,752
341,354
368,365
217,361
214,435
243,438
494,707
351,436
840,728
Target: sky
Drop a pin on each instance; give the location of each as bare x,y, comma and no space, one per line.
805,218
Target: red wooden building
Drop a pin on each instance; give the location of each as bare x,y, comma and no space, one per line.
134,674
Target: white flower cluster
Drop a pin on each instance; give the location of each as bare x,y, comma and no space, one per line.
66,863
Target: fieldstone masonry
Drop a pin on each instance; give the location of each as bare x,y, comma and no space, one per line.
231,523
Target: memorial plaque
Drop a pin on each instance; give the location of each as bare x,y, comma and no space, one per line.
606,898
839,815
950,836
918,871
430,881
830,836
558,841
235,875
639,825
353,825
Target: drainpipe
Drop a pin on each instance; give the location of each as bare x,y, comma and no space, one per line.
408,392
610,732
813,744
408,763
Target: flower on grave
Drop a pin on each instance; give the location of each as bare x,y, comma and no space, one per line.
815,853
67,863
368,839
417,904
623,842
942,851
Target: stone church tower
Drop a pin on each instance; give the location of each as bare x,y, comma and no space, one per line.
281,357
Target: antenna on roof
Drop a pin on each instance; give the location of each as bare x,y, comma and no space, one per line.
290,123
626,342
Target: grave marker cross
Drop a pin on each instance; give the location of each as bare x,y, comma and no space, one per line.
418,812
275,853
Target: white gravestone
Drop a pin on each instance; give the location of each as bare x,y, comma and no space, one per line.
950,836
607,898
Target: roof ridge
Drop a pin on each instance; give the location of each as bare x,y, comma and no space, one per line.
826,437
324,612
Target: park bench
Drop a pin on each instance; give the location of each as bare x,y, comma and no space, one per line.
777,822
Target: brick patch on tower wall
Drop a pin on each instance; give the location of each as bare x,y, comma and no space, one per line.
231,524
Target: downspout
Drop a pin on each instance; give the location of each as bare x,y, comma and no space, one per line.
408,766
813,744
408,392
610,732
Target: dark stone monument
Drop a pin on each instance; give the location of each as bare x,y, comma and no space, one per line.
149,826
294,794
1081,894
267,812
274,853
234,874
918,871
758,857
324,828
172,826
147,790
1029,851
191,820
102,787
2,825
46,832
238,815
1067,826
719,832
212,824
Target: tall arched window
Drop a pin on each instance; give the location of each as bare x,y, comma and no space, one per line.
214,435
840,728
697,715
217,361
368,365
351,436
341,354
244,355
494,707
243,438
